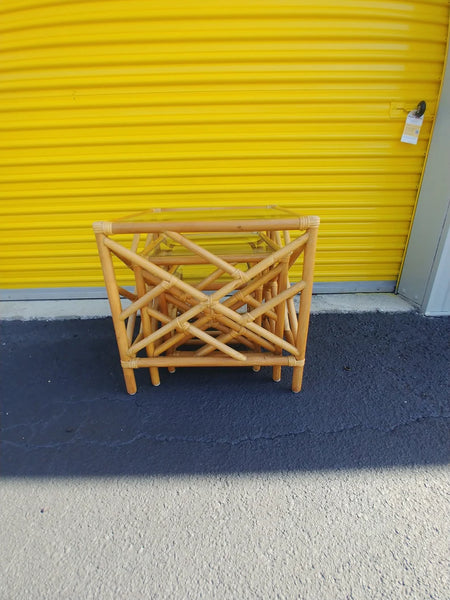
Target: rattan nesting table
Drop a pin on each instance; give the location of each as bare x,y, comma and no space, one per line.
212,288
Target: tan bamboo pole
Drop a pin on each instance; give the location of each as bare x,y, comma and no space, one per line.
132,319
180,338
264,264
139,335
196,332
180,359
161,274
296,253
183,337
146,324
253,285
292,314
173,341
145,299
116,309
127,294
259,297
281,313
225,339
164,309
110,228
152,245
305,306
179,322
260,341
135,243
273,302
209,257
174,296
283,331
268,335
267,298
250,301
240,339
258,330
287,330
202,335
287,326
274,293
174,259
153,321
175,301
149,266
240,300
241,297
207,281
269,241
130,328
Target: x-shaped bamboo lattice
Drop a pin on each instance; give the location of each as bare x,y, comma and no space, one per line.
248,319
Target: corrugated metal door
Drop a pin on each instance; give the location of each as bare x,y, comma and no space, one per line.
110,107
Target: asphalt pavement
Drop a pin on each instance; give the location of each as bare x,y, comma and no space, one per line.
221,483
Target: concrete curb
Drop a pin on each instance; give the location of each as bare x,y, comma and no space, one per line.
49,310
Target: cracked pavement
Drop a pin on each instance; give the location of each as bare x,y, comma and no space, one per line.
221,483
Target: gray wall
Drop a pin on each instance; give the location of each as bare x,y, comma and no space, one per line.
425,277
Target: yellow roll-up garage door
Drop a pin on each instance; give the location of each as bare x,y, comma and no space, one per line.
113,106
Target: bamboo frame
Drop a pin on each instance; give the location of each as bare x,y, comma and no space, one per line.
233,316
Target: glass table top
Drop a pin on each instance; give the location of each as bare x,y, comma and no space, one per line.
210,214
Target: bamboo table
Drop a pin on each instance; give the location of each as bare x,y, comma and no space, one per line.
212,288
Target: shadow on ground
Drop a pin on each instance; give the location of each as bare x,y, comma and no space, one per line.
375,395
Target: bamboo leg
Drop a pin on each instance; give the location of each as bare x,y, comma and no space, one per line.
164,309
305,306
281,313
287,325
292,315
146,324
258,297
135,243
273,294
268,297
268,293
130,328
287,330
132,318
116,309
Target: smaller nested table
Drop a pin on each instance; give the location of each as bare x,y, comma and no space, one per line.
212,288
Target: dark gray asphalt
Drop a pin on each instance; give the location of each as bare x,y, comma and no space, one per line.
375,395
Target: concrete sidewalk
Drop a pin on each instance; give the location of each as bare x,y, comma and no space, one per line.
97,308
221,483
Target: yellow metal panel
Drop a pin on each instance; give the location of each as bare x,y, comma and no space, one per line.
111,107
